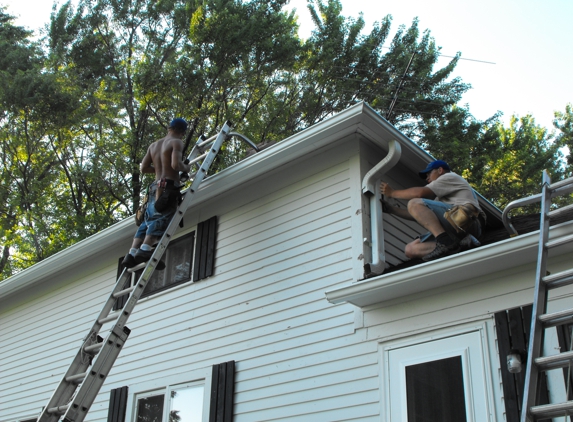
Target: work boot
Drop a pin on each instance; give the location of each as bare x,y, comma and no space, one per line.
442,250
469,242
128,261
144,256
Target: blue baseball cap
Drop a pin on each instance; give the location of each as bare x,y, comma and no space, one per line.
434,165
178,125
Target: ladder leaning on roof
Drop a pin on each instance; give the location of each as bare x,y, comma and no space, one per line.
536,363
100,353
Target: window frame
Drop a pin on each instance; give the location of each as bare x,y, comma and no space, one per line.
135,276
164,385
166,392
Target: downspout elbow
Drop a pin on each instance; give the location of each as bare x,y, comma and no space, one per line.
375,248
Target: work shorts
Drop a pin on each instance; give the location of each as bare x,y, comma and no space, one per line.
155,223
439,208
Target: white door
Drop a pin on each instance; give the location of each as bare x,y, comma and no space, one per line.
440,380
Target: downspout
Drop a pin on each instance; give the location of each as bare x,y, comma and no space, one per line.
370,188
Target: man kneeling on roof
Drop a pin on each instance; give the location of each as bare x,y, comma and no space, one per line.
447,207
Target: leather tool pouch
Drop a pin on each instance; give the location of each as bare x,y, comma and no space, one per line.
461,217
168,195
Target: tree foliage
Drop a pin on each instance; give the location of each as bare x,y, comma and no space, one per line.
79,108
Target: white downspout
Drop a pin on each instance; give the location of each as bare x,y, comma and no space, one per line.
370,188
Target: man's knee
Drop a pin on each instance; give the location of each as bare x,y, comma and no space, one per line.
415,203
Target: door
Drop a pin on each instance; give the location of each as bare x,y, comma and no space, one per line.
441,380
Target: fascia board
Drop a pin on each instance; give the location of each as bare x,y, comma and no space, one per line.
480,262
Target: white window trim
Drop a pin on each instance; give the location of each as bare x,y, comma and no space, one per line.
488,352
164,384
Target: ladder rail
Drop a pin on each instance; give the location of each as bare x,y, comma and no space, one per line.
72,401
539,308
536,363
560,188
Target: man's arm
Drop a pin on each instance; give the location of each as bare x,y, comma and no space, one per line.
177,157
398,212
147,164
410,193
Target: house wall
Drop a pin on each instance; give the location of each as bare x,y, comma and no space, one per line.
464,307
282,241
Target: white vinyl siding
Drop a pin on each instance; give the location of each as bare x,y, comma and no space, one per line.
280,245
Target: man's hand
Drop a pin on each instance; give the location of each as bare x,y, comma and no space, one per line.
386,189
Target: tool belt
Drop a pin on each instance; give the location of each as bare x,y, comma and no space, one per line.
462,217
140,212
167,195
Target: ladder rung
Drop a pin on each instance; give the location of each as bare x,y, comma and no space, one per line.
559,211
77,378
137,267
558,242
59,409
561,360
124,292
560,279
199,158
111,317
552,410
92,349
556,318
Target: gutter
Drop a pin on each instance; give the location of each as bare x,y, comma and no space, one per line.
475,263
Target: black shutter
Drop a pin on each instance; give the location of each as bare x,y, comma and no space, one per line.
204,263
117,405
222,391
512,327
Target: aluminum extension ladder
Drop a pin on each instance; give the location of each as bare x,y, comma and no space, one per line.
82,381
537,363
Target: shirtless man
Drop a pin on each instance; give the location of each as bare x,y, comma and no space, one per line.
164,158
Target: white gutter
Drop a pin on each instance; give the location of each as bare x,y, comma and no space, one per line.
370,183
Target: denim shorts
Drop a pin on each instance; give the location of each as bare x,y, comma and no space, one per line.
155,223
439,208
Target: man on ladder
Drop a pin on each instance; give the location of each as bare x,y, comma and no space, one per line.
164,157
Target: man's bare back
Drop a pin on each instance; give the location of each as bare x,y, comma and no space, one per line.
164,157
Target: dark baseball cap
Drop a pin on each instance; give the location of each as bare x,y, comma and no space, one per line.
434,165
178,124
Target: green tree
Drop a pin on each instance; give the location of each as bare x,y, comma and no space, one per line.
513,170
564,124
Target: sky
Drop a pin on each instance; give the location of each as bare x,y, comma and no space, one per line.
516,54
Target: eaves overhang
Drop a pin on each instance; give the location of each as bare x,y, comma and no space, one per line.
480,262
359,119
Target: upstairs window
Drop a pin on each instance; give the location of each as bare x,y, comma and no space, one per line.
189,257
